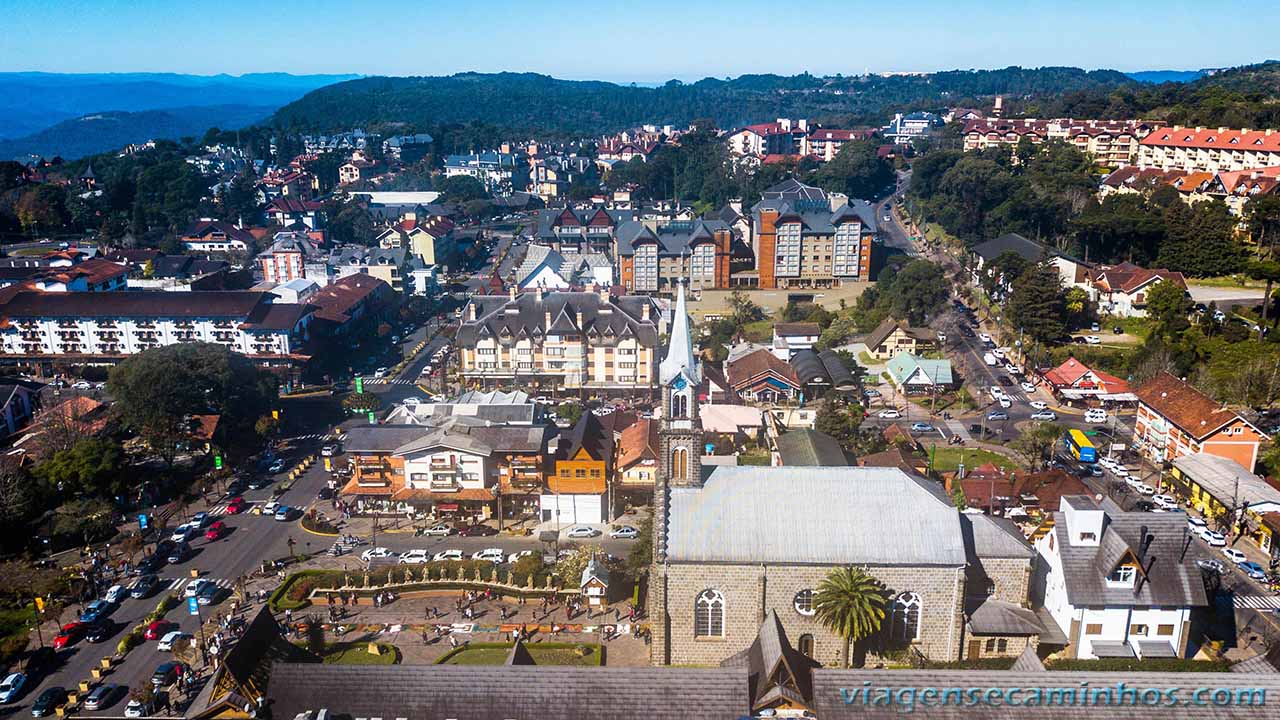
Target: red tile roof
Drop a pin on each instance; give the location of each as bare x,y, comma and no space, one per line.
1127,278
1069,373
1206,138
1183,405
639,442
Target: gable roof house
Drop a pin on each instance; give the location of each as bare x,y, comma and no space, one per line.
290,211
760,376
893,336
912,375
1073,380
20,401
1120,584
584,463
1122,289
580,230
1175,419
809,448
209,235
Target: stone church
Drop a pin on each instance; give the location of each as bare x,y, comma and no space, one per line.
734,544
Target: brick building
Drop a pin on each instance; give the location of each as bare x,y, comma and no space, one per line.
654,259
804,237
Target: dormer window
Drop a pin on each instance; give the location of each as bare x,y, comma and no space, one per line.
1088,537
1235,141
1122,576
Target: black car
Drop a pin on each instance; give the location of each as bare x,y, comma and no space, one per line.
49,701
143,586
103,696
180,552
259,482
100,631
977,431
149,564
167,673
477,531
235,488
326,493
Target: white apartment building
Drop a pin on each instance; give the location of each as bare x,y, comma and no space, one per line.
1209,149
46,325
1119,584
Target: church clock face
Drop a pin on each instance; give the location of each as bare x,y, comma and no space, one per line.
678,384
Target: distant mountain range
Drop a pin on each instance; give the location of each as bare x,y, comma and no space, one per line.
32,102
1163,76
102,132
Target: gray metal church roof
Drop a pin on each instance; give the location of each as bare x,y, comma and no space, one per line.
814,515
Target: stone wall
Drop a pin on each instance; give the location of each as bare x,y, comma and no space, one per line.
751,590
1012,577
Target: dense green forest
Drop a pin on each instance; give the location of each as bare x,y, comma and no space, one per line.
1239,97
537,103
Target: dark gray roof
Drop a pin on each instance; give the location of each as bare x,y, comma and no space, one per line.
1030,250
1028,661
812,205
810,448
830,702
809,368
1172,581
841,378
236,304
778,671
508,320
673,239
991,537
814,515
547,218
503,692
380,438
996,617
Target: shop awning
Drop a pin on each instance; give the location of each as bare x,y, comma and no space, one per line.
447,507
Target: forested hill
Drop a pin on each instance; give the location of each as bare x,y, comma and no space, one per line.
538,103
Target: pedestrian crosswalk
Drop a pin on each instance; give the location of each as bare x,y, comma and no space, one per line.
175,584
389,381
1258,602
225,509
312,436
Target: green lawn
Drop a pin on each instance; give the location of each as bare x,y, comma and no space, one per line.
543,654
1140,327
15,626
759,331
357,653
949,459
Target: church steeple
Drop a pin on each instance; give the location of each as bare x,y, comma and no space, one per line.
680,358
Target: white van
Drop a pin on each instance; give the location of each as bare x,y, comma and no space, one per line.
1095,416
990,359
1005,401
996,393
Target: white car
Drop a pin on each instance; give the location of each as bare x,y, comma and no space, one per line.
115,593
137,709
1005,401
1039,404
448,555
12,686
1092,340
1095,416
182,533
984,337
415,557
1195,525
270,507
1213,538
1144,489
1044,415
996,392
193,588
1164,502
581,531
82,385
515,556
1234,555
412,401
171,637
889,414
1027,387
493,555
378,552
380,372
625,532
1120,471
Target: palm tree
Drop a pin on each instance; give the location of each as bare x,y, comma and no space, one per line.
850,603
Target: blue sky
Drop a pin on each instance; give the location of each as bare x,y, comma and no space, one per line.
642,41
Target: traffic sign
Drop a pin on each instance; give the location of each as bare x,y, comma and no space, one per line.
193,606
142,521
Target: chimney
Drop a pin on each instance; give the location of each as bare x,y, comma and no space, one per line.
644,309
785,123
539,291
546,319
803,124
471,311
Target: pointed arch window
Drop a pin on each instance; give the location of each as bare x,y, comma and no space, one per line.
708,614
805,645
679,406
906,617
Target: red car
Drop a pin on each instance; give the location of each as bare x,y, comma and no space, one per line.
215,531
236,506
70,633
157,629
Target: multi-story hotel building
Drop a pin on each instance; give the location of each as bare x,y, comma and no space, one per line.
804,237
1208,149
655,258
1112,143
36,325
572,341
